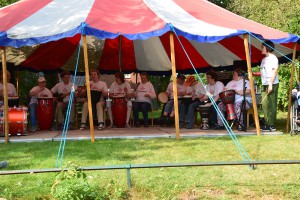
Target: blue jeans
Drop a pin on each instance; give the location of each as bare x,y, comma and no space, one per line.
144,107
32,114
191,113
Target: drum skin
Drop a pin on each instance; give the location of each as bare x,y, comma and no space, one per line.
162,97
44,112
17,120
119,111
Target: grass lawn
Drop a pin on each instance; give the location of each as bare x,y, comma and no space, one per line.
225,182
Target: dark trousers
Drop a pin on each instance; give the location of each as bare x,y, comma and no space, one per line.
143,107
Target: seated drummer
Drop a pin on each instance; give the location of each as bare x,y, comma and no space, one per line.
168,112
143,95
120,88
101,87
197,92
237,85
37,92
11,90
214,87
61,92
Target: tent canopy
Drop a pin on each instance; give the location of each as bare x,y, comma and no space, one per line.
211,35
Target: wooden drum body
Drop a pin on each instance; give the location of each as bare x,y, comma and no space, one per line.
17,120
119,111
228,97
204,113
44,112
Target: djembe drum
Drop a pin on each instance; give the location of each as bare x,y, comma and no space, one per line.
119,111
44,112
204,113
228,97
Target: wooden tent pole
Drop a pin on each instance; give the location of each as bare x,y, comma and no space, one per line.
251,84
291,88
5,100
88,87
176,109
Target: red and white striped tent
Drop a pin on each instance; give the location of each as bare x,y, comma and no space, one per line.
44,34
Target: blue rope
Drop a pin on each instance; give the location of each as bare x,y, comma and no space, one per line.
235,140
62,145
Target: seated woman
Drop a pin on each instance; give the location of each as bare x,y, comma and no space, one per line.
143,95
214,87
120,90
237,85
168,112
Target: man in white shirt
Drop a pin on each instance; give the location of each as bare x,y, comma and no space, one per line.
61,92
37,92
99,88
270,85
143,95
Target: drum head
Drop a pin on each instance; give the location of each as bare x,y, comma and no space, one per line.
162,97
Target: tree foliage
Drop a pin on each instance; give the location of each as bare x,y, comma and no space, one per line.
279,14
6,2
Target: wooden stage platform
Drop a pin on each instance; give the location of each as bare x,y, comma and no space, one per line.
128,133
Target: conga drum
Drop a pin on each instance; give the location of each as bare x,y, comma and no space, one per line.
17,120
162,97
13,101
119,111
44,112
204,113
228,97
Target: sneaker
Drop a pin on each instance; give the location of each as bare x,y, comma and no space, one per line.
82,126
111,126
240,128
272,128
218,127
127,126
3,164
101,126
265,128
33,129
52,128
71,127
60,126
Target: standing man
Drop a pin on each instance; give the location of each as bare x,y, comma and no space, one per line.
270,85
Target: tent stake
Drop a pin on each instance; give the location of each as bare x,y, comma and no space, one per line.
251,84
5,99
88,87
291,88
174,86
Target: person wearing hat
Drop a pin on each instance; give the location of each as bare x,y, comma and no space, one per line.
197,91
168,112
37,92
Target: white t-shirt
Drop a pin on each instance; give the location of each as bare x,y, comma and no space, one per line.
62,88
180,88
142,89
11,90
238,86
268,64
44,93
215,89
99,86
118,90
199,89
